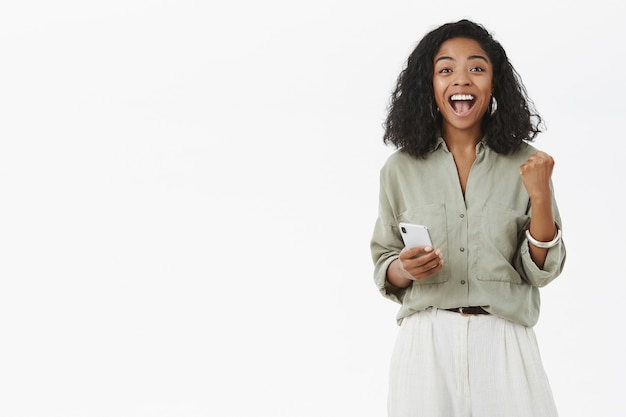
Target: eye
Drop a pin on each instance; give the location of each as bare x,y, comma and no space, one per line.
445,71
477,69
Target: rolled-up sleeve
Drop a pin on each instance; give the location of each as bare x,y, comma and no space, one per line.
382,257
555,259
385,246
552,268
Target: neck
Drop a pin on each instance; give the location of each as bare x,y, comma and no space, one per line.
461,139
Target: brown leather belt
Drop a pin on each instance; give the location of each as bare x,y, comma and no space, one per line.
468,311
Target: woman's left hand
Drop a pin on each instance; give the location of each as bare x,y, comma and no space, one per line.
536,173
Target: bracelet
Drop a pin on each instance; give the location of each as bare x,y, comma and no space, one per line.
545,245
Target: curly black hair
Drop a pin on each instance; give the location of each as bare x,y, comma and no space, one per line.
413,120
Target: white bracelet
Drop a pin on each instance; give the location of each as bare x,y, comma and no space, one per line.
545,245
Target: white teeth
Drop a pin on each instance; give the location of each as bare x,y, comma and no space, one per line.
463,97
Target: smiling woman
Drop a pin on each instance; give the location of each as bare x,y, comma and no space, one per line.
468,305
462,82
414,120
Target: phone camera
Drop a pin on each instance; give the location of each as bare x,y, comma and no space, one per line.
403,229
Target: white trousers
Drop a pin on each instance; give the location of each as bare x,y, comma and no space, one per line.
448,365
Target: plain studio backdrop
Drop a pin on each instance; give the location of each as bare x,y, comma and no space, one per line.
188,190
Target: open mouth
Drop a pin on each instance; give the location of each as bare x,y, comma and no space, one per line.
462,103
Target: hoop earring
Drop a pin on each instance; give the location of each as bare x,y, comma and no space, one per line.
494,105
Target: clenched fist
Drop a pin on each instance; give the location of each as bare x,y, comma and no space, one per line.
536,173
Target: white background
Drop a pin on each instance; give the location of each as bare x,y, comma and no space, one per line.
188,189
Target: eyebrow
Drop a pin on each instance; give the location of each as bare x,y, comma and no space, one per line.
445,57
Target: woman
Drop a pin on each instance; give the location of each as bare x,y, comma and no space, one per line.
461,121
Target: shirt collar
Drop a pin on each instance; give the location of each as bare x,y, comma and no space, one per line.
480,146
441,144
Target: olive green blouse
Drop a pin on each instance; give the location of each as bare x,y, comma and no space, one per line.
486,256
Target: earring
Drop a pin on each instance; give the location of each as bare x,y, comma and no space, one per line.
494,105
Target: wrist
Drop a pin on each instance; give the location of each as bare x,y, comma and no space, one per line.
397,276
541,198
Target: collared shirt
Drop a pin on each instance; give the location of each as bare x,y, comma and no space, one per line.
487,261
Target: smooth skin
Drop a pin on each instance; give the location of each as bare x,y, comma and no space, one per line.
462,67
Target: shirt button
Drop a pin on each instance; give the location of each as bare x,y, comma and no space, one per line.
462,249
461,215
462,282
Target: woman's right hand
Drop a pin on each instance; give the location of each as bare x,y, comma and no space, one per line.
414,264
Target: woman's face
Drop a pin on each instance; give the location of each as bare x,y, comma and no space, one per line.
462,81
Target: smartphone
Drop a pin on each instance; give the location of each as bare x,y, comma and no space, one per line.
415,235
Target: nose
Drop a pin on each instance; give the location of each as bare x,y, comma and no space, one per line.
461,78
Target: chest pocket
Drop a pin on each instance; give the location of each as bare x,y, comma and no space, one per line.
432,216
500,232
